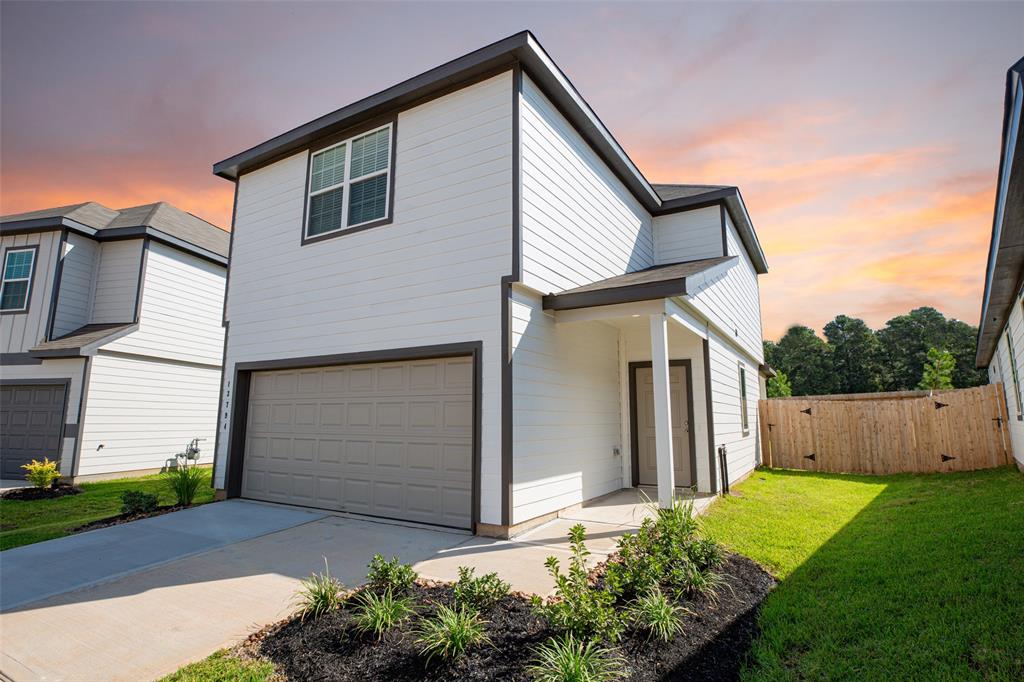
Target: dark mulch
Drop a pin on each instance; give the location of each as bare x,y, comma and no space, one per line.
125,518
33,493
712,647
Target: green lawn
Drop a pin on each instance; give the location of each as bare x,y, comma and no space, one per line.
884,578
223,667
22,523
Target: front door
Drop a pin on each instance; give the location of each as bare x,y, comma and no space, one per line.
679,398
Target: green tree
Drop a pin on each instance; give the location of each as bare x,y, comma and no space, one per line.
905,341
778,386
806,360
962,342
856,355
938,370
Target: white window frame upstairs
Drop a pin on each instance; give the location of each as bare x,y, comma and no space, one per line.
347,182
4,280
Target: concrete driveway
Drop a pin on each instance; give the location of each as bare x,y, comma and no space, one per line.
140,600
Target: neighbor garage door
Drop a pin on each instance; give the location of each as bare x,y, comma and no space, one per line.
31,423
389,439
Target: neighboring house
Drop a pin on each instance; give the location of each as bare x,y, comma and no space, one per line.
1001,331
458,302
110,324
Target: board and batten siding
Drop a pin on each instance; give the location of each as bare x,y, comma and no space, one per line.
1000,370
430,277
565,416
77,283
181,311
144,411
117,281
21,331
742,449
731,299
688,235
579,222
71,369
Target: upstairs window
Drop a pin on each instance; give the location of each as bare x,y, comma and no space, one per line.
350,184
19,265
744,417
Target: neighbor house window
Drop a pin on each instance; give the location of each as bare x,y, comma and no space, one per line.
1013,371
744,417
17,279
350,183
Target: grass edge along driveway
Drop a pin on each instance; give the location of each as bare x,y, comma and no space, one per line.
882,578
27,522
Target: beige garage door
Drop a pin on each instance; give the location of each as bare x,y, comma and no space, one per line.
390,439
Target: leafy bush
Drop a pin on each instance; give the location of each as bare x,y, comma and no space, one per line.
451,632
655,613
479,593
378,613
705,553
567,659
41,474
578,607
137,502
390,575
319,593
184,481
701,581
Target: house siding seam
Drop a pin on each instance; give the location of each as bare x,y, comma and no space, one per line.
741,448
117,281
688,235
432,276
77,283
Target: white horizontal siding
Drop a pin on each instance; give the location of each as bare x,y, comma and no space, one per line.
731,300
689,235
70,369
565,419
143,412
181,311
21,331
77,283
579,222
741,449
431,277
1000,370
117,282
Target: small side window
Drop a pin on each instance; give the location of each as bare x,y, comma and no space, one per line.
1013,371
744,416
19,266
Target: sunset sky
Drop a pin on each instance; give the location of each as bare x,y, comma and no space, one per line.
864,137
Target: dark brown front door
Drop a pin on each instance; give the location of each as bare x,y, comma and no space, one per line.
31,425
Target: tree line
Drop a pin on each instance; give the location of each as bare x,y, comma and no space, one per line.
853,358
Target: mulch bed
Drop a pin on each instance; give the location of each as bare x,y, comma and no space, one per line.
33,493
125,518
713,645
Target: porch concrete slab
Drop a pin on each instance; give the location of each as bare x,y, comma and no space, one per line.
520,564
630,506
37,571
149,623
602,538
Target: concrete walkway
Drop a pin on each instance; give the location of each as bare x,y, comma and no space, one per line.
175,591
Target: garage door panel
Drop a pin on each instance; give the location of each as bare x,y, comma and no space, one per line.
32,419
390,439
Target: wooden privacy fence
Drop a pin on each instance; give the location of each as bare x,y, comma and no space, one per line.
888,433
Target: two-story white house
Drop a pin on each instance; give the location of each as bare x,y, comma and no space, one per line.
110,326
458,302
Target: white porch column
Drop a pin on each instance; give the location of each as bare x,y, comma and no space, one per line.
662,410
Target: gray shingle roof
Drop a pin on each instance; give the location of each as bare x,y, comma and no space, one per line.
72,343
159,216
670,192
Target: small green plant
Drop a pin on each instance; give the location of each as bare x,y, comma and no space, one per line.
479,593
568,659
319,594
451,632
579,608
701,581
137,502
390,575
657,615
778,386
378,613
938,370
705,553
184,481
41,474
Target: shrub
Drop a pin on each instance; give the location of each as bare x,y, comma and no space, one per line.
184,481
378,613
41,474
701,581
705,553
479,593
451,632
567,659
319,593
137,502
655,613
390,575
637,567
578,607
